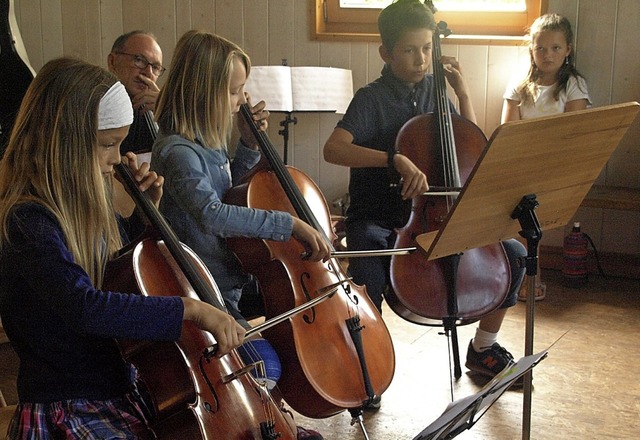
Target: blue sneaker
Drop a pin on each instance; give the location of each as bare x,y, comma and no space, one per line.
488,362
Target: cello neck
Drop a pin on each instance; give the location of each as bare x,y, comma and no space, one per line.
445,124
279,168
151,124
202,289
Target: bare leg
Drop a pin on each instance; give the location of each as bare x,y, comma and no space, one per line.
492,322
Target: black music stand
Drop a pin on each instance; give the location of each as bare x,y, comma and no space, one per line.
464,413
547,163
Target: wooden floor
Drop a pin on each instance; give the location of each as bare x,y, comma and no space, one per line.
587,387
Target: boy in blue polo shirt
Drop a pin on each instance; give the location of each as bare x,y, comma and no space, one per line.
364,140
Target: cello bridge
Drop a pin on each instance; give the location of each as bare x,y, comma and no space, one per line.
258,366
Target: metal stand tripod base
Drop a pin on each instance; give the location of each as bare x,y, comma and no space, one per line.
528,349
531,231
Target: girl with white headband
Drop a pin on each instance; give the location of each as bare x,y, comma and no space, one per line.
57,232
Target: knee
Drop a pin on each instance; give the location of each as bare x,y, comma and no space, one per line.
257,350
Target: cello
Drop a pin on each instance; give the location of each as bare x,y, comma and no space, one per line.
194,395
338,355
461,288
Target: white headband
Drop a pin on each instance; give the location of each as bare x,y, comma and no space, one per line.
115,108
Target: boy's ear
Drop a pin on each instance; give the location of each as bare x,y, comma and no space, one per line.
384,54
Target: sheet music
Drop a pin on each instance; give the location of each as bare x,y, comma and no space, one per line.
463,413
286,88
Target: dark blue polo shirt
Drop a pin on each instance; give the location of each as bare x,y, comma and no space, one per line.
374,118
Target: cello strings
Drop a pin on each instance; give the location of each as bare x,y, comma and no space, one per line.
291,190
451,173
303,210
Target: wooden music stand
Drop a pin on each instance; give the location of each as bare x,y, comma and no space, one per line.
553,161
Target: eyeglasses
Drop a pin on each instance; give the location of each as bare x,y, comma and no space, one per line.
141,63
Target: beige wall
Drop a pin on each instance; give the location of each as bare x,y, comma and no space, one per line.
607,32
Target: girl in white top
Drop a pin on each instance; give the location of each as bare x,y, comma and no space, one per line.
552,86
544,102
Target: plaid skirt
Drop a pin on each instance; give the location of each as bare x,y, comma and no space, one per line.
120,418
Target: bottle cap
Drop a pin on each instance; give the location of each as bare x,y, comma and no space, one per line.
576,224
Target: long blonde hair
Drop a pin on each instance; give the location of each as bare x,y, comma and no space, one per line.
52,160
194,102
544,23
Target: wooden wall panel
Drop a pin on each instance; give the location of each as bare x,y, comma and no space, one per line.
87,31
305,151
162,19
304,51
334,180
476,78
28,16
183,21
50,20
304,142
74,28
596,35
229,15
112,26
375,64
624,166
287,34
270,30
506,64
567,8
256,31
359,63
135,15
202,16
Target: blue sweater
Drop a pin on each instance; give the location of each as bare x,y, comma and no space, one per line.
61,327
196,180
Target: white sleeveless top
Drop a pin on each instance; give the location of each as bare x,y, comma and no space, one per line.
544,104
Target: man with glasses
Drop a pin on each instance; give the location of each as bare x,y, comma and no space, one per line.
136,59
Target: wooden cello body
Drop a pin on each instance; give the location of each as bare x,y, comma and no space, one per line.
193,394
337,355
481,275
459,288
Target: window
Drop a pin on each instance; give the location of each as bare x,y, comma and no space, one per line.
472,21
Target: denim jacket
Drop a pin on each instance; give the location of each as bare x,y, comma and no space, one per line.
196,181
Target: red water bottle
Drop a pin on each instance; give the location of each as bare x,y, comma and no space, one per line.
575,254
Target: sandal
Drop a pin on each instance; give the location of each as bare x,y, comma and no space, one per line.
541,291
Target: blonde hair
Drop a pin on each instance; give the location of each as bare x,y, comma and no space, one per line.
194,102
554,23
52,160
